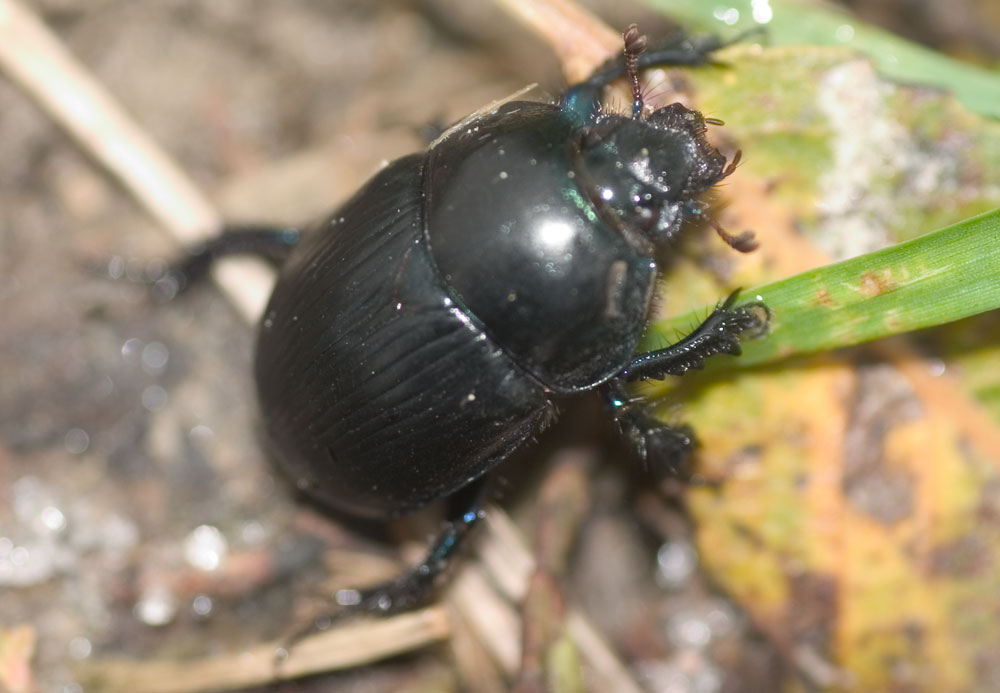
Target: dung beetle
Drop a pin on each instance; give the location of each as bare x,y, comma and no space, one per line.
421,333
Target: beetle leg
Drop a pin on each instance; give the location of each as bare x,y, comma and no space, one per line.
718,334
416,586
272,243
681,49
582,100
663,448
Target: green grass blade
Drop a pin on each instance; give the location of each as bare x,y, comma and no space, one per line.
935,279
794,22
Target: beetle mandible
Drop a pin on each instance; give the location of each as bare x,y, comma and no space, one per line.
419,334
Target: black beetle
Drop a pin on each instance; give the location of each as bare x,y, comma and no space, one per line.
417,336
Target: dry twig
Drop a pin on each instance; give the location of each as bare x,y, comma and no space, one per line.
35,59
353,645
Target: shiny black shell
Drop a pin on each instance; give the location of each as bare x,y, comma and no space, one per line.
415,337
521,247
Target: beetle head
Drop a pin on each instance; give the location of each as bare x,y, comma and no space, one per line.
649,171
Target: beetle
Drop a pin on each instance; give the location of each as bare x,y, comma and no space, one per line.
423,331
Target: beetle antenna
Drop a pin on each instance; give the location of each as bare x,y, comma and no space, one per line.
635,44
744,242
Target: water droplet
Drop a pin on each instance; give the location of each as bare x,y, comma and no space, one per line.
205,548
53,519
348,597
131,349
675,563
80,648
727,15
844,33
690,631
19,556
76,441
156,607
154,358
202,605
761,11
201,432
154,398
253,533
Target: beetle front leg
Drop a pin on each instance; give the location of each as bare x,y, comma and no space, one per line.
719,334
662,448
